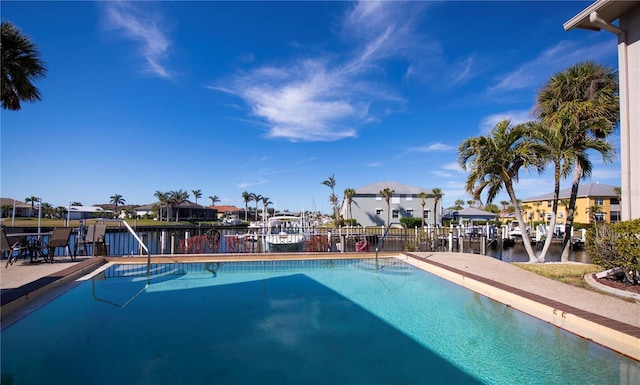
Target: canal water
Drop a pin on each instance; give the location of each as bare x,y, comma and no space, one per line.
517,253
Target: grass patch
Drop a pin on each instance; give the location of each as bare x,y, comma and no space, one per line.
570,273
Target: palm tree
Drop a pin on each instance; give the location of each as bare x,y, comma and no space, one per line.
593,212
331,183
163,199
265,202
458,204
437,194
33,200
348,196
256,198
197,194
175,199
214,199
387,193
246,197
559,148
494,163
21,65
423,195
581,102
116,199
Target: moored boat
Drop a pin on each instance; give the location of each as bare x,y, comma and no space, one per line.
285,233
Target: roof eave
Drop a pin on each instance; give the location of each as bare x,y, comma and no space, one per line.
609,10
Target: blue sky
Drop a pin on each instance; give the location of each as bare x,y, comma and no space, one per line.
275,97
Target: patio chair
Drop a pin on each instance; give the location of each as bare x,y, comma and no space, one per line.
12,248
95,235
60,237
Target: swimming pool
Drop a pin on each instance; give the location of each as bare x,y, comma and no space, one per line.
296,322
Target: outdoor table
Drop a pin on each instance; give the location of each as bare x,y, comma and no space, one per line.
34,243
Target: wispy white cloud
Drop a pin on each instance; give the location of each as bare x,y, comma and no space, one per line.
247,184
463,72
433,147
453,166
143,25
516,117
534,73
327,98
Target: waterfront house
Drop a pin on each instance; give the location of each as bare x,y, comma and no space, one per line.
22,209
539,208
228,212
469,216
369,208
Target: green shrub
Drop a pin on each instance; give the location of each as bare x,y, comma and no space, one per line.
350,222
612,245
411,222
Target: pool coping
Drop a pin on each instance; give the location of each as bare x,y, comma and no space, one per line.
612,334
20,296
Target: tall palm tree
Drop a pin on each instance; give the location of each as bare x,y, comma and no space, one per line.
494,163
265,202
33,200
256,197
387,193
458,204
348,196
197,194
116,199
21,65
246,197
163,199
560,149
423,196
175,199
581,102
437,194
331,183
214,199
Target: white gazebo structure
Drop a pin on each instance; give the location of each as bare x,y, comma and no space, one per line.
600,15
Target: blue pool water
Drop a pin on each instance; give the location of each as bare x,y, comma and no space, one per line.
293,322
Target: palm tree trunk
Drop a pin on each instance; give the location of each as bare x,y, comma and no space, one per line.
552,223
566,243
523,226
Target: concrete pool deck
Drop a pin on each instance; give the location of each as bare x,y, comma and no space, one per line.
607,320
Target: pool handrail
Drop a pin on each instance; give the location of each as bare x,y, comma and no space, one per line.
384,234
136,237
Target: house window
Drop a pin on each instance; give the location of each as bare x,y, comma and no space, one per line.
394,214
614,201
614,216
549,216
409,198
395,200
378,197
549,204
425,214
409,212
599,217
599,201
378,211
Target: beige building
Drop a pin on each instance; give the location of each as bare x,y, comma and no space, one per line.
601,15
540,208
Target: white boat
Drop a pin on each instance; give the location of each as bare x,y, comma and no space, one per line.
285,233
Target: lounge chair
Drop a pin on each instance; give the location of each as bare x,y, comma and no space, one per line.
95,235
60,237
18,247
